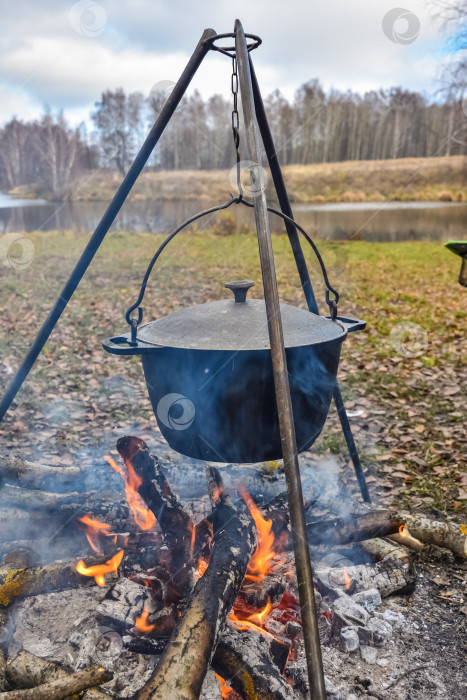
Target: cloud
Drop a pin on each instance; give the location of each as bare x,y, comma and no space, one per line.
48,59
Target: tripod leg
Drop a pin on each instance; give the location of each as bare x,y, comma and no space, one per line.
284,204
282,389
106,221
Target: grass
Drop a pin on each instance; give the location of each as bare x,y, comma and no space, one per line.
414,421
401,179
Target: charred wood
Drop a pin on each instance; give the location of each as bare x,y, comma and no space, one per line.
393,572
62,688
33,499
3,680
357,527
20,582
184,664
175,522
244,661
28,671
14,470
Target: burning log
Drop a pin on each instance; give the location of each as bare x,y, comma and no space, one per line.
184,663
244,661
14,470
21,523
404,537
174,520
358,527
62,688
392,572
445,535
18,583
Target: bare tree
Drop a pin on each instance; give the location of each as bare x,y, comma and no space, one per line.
118,119
57,149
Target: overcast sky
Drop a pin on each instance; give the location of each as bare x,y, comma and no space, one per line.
64,54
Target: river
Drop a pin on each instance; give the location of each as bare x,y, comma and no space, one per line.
370,221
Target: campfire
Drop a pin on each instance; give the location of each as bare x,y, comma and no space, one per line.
203,593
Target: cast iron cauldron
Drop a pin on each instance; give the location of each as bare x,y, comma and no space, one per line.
209,375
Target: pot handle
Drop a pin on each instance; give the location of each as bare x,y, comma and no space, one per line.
123,345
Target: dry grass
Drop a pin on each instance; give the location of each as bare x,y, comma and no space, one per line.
404,179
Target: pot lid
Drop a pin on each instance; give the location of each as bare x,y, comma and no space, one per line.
237,324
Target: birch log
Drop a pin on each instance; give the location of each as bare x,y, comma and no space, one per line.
185,661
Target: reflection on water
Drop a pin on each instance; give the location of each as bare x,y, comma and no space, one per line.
386,221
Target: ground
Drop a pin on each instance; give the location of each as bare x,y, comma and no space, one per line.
403,378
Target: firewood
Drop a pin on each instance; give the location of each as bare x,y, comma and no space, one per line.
16,523
28,671
184,663
393,570
379,549
174,520
355,528
446,535
244,661
33,499
20,582
406,539
62,688
23,523
14,470
3,680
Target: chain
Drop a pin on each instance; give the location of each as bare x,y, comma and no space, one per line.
236,122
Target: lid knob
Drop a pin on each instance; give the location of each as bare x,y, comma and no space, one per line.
240,289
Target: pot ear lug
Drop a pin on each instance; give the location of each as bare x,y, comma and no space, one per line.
122,345
350,324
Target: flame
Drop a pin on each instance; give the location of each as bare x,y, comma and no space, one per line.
192,544
254,621
94,528
216,493
259,616
246,624
201,568
403,531
141,623
100,570
225,689
347,579
260,562
144,517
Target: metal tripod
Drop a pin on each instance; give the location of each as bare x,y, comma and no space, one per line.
256,125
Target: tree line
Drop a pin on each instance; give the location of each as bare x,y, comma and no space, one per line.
315,127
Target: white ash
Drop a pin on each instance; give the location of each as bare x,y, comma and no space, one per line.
62,627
